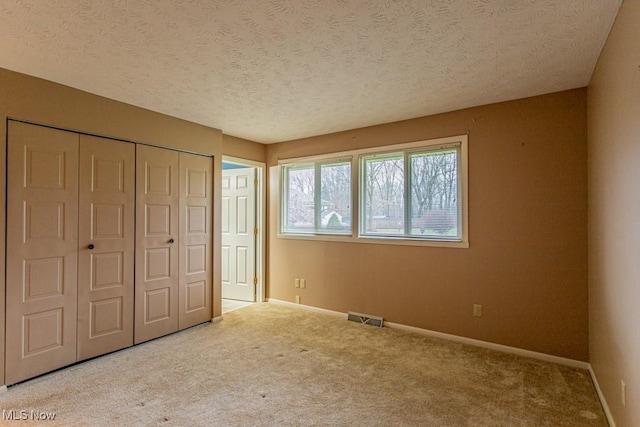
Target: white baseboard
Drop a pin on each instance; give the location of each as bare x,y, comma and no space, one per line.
485,344
470,341
477,343
603,401
306,307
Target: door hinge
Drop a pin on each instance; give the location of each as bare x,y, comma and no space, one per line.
255,182
255,280
255,231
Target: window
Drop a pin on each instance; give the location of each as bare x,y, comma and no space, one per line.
411,193
317,197
383,191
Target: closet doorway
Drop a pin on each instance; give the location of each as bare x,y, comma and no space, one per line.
243,229
78,284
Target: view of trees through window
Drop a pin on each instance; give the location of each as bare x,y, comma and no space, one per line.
330,210
384,195
412,193
335,196
434,193
300,213
432,187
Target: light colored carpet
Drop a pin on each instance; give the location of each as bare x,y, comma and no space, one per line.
229,305
269,365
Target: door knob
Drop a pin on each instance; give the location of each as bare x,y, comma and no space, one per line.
91,246
171,240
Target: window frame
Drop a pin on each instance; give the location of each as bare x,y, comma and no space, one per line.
316,165
357,193
407,191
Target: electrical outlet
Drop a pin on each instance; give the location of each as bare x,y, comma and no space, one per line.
623,393
297,282
477,310
303,283
298,299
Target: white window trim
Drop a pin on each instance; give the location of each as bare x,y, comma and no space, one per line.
283,193
355,156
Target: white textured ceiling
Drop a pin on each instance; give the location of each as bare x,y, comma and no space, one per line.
275,70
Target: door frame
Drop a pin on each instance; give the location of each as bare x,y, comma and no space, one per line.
261,222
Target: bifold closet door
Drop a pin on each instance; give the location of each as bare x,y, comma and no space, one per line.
195,239
73,203
157,233
42,247
106,246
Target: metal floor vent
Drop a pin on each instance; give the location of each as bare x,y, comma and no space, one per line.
367,319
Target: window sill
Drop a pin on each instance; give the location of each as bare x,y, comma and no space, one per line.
398,241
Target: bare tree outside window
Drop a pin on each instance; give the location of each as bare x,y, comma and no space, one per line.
318,198
432,189
335,196
384,195
434,193
301,194
410,193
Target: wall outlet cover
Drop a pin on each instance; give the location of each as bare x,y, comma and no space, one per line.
477,310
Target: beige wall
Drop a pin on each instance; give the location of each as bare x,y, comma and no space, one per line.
527,260
28,98
614,216
243,149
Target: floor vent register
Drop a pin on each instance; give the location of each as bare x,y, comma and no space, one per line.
367,319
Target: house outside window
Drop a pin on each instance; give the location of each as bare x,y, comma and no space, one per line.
317,197
413,193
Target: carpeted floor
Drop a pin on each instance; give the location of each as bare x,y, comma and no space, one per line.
269,365
229,305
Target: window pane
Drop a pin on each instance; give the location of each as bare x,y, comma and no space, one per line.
412,194
434,194
335,198
384,195
300,188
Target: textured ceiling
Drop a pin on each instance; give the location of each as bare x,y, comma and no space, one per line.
275,70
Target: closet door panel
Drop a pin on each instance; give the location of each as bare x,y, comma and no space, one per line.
42,242
157,235
106,246
196,175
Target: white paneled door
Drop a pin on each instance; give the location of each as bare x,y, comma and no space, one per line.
173,241
70,263
42,243
157,233
196,179
106,246
239,234
86,218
